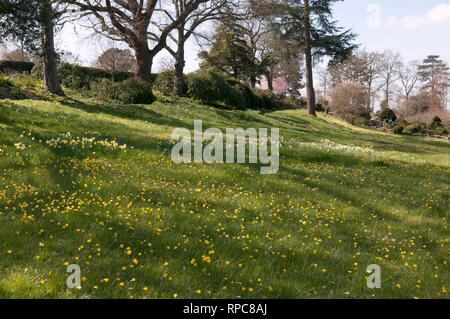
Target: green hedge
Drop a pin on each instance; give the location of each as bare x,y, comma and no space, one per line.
80,77
13,66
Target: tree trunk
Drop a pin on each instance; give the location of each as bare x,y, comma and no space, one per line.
269,80
144,61
310,95
178,79
369,95
51,80
386,100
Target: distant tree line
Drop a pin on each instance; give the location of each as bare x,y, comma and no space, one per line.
253,39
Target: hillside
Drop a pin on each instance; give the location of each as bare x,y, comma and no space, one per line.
94,185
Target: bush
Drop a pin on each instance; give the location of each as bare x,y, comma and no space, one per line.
398,129
413,129
387,114
73,76
5,82
214,89
267,99
8,89
440,131
132,91
209,87
164,82
102,87
360,121
217,89
17,67
435,123
349,102
320,107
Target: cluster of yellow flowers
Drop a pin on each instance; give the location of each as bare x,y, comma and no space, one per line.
67,140
330,146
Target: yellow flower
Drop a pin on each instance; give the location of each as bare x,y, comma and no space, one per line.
135,261
199,292
145,289
175,295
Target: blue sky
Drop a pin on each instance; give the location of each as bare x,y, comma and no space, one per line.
413,28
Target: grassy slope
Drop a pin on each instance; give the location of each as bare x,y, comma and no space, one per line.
141,226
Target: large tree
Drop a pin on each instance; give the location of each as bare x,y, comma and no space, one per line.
116,60
138,23
364,68
208,11
230,53
310,24
435,76
390,66
33,22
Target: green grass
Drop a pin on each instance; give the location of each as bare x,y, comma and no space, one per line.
344,198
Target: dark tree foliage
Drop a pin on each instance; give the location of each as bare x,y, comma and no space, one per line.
229,52
19,23
33,23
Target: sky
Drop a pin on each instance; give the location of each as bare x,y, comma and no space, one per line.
413,28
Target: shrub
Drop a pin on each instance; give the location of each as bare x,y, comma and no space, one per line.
207,86
267,99
5,82
349,102
435,123
413,128
216,89
133,91
360,121
164,82
102,87
440,131
16,67
387,114
398,129
8,89
73,76
247,97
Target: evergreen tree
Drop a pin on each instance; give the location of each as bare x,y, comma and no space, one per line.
229,52
33,22
434,74
309,23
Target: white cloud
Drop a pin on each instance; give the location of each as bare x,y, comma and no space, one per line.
438,14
